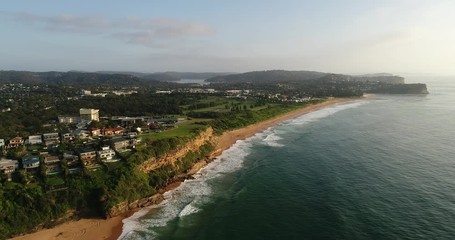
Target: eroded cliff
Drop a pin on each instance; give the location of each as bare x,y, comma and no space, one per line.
171,157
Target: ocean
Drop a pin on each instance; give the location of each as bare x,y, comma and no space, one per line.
379,168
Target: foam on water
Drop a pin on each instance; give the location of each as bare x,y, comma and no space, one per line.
193,193
325,112
271,138
186,199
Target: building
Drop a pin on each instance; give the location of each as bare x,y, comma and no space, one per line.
95,132
68,119
53,164
87,156
8,166
107,155
163,92
113,131
124,92
2,143
51,138
82,134
68,137
72,160
89,114
86,92
30,161
16,142
51,159
34,139
120,144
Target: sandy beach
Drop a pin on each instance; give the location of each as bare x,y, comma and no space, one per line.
112,228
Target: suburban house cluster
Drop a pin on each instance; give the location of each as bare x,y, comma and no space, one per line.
90,147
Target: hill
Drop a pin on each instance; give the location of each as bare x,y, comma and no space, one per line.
67,78
291,76
170,76
268,76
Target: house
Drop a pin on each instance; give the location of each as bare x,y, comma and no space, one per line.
51,138
71,159
87,156
8,166
16,142
113,131
89,114
82,134
51,159
154,125
95,132
30,161
107,155
120,144
68,137
86,92
34,139
53,164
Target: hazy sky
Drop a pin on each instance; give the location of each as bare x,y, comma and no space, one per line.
343,36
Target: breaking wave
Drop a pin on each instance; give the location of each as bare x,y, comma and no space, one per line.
192,194
323,113
188,197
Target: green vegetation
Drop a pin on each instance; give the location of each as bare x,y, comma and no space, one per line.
241,118
31,102
164,175
186,129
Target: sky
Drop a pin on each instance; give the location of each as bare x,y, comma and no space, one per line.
339,36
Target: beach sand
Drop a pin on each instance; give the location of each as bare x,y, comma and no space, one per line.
112,228
81,229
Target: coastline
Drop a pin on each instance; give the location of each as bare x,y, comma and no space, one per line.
112,228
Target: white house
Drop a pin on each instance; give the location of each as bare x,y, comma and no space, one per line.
51,138
34,139
107,155
8,166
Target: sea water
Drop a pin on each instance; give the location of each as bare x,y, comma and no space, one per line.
379,168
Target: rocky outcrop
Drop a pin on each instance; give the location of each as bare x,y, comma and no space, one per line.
125,207
170,158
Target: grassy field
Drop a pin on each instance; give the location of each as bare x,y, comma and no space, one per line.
221,104
188,128
183,129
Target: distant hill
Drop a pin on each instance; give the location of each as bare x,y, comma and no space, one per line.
171,76
286,76
383,79
71,78
195,75
268,76
375,75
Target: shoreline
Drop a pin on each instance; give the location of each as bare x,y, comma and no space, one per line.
112,228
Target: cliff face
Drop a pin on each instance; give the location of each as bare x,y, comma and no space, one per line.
170,158
154,163
414,88
124,207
